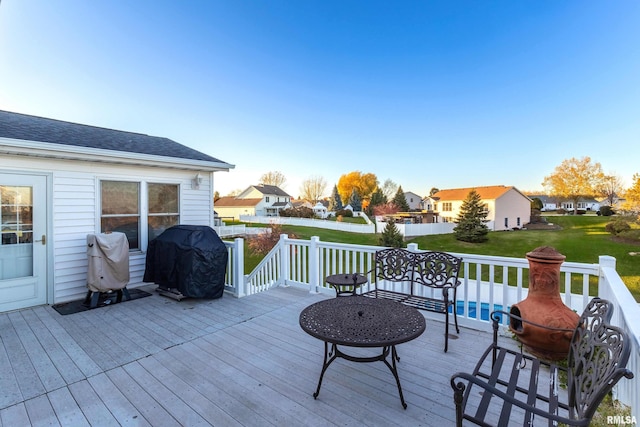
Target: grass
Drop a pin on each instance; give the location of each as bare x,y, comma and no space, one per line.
582,238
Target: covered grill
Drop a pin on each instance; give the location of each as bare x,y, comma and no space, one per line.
108,269
187,261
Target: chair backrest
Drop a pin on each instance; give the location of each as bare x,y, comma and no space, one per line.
597,359
394,264
437,269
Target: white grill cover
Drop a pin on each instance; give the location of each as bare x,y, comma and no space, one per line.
108,255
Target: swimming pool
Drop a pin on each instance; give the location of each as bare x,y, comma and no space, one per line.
472,309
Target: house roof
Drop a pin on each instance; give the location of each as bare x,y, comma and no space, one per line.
39,129
233,202
270,190
486,193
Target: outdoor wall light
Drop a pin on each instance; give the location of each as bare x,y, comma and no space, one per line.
197,180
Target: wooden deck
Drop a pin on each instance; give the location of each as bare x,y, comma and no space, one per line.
226,362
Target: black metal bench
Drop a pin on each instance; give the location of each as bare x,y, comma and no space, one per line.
403,276
518,389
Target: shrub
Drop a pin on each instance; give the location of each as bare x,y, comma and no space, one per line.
618,226
301,212
262,243
344,213
606,211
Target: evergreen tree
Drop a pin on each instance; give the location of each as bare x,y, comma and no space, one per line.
335,202
391,236
471,220
400,201
355,201
377,199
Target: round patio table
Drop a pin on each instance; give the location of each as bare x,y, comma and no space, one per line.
362,322
342,281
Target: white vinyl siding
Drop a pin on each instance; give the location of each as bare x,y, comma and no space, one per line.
75,213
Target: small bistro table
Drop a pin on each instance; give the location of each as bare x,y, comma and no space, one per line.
340,281
362,322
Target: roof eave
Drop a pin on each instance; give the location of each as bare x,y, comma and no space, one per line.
20,147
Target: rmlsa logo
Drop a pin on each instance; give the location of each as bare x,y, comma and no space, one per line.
621,420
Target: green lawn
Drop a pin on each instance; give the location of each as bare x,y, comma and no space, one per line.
581,239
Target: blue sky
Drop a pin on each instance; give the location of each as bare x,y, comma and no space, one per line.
428,94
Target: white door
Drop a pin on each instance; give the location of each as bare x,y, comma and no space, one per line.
23,254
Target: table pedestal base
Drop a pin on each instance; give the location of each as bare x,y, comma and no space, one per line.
334,353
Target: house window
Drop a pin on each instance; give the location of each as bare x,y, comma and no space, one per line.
121,210
122,203
266,199
506,223
447,207
485,208
164,209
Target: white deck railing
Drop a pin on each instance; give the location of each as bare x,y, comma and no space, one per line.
488,283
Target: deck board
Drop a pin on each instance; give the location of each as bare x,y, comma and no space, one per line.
228,362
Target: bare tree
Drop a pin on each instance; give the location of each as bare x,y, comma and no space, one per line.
612,188
276,178
313,188
389,189
234,193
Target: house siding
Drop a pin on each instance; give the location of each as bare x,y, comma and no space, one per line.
512,205
74,195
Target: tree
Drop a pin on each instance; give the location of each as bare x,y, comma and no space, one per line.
313,188
391,236
471,220
611,188
355,201
273,178
365,185
433,191
400,200
216,195
377,198
575,179
389,189
335,202
632,195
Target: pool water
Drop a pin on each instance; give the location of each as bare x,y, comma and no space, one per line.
472,309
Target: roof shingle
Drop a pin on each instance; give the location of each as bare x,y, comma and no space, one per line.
40,129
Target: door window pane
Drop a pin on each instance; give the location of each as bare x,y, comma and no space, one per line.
16,232
16,215
121,210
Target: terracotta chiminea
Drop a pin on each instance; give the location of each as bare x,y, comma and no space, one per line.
544,306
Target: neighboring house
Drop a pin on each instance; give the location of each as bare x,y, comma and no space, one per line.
301,203
548,203
256,200
61,181
507,207
428,204
585,204
413,200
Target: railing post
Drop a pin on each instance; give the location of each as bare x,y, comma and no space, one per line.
314,265
285,262
412,247
238,266
604,288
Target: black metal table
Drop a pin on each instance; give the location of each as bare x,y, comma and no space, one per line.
341,281
362,322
